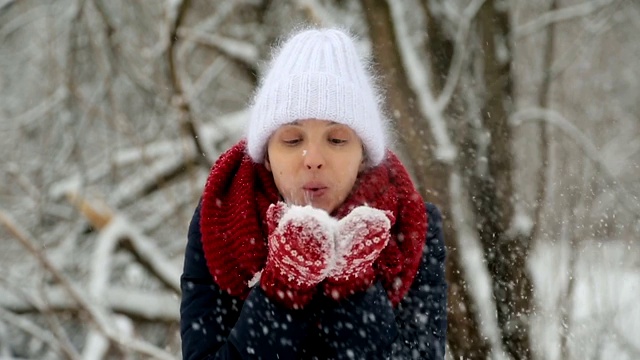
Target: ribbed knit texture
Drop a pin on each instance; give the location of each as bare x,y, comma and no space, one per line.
238,193
235,200
317,74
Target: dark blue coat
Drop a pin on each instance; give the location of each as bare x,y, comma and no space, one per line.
215,325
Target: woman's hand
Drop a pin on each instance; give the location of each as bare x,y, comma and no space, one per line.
360,238
301,251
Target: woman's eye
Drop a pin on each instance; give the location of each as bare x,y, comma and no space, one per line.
291,141
337,141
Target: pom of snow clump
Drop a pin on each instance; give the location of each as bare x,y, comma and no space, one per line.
301,252
360,238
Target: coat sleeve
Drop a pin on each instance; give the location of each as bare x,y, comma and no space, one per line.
422,315
215,325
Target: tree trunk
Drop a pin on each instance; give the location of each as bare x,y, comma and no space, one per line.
491,187
463,332
543,98
432,176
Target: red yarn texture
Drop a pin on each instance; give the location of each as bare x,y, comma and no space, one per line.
234,229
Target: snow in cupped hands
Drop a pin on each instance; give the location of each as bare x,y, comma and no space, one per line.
353,242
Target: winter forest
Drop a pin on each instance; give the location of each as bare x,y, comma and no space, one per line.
519,119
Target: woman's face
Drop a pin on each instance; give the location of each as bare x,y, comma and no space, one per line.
315,162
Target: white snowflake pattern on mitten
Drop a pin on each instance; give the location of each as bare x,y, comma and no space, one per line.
360,238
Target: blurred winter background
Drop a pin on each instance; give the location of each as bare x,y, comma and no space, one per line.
519,119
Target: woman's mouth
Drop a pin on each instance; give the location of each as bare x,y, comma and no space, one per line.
315,190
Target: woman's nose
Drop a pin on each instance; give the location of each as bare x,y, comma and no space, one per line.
313,158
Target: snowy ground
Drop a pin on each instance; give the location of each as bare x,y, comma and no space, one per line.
604,311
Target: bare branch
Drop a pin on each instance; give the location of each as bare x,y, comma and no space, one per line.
211,72
459,53
161,172
564,14
446,150
242,51
180,99
116,228
544,95
23,19
148,305
145,152
150,256
25,183
37,332
36,112
96,344
115,54
97,315
41,305
551,117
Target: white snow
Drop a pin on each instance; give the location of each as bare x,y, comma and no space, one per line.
418,80
255,279
521,223
475,270
297,212
361,216
340,238
603,311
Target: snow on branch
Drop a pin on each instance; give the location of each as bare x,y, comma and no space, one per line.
148,254
158,173
32,15
37,332
416,73
148,305
178,152
97,314
145,152
116,228
212,71
34,113
243,51
564,14
116,54
472,261
230,125
553,118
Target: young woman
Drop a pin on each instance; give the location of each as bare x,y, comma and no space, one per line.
310,240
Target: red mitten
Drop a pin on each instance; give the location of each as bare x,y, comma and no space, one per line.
301,247
360,238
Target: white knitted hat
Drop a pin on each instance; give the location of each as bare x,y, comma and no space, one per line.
317,74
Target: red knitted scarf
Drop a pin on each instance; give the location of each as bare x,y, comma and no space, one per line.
234,234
